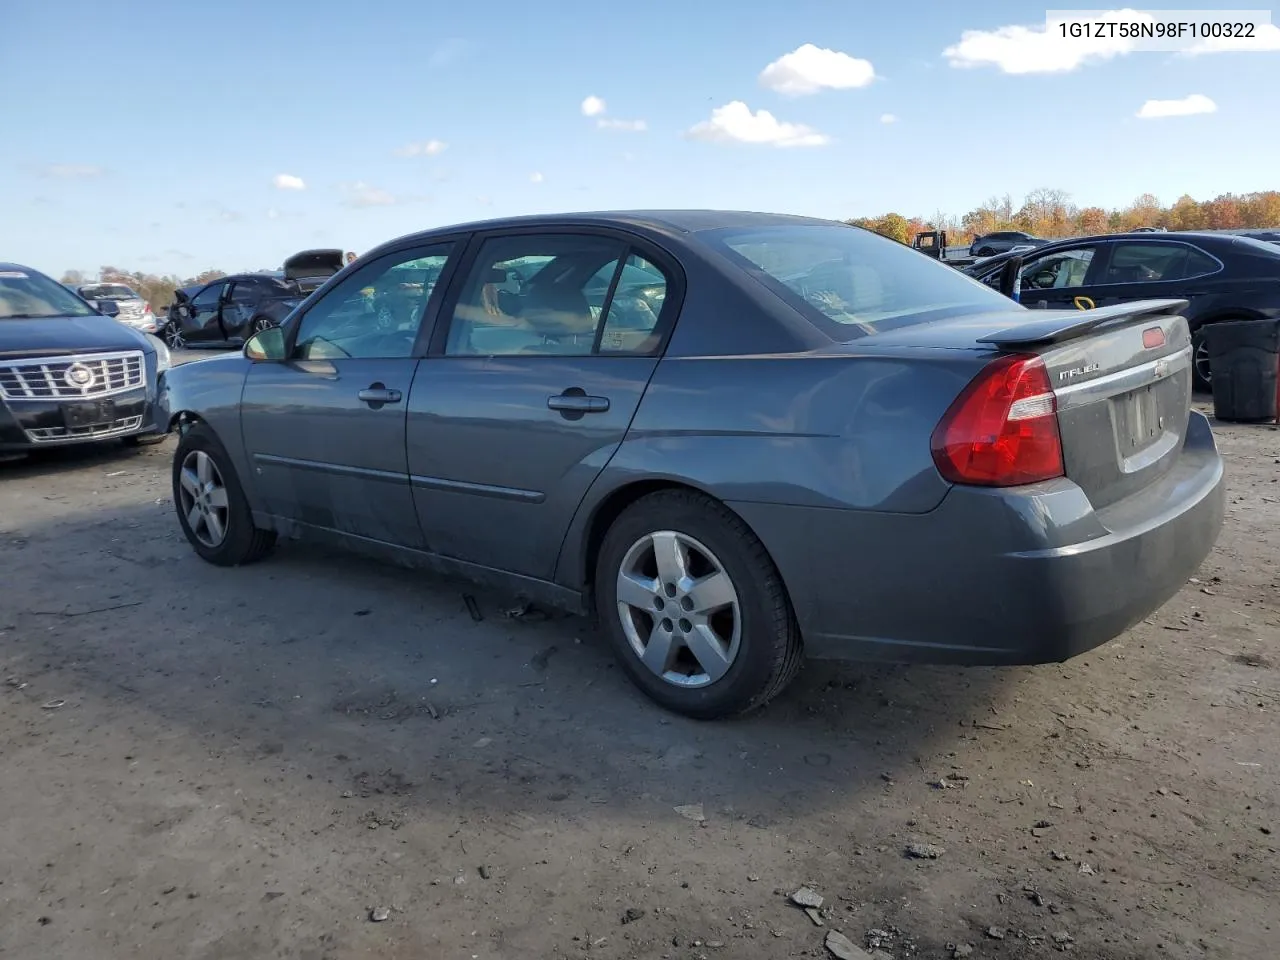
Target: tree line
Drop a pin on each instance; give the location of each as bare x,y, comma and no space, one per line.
1050,213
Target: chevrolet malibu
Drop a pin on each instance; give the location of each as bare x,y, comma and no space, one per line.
739,439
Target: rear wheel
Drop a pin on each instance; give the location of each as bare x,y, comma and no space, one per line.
211,504
986,252
262,323
694,607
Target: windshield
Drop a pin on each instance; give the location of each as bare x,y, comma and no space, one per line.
107,291
850,282
25,295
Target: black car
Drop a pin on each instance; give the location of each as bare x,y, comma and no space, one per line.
69,373
231,309
1222,276
1002,241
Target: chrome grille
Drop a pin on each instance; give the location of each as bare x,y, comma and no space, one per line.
71,378
96,431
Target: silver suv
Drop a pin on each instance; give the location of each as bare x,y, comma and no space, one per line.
134,311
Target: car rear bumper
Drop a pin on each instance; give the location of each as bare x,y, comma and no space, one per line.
1029,575
36,424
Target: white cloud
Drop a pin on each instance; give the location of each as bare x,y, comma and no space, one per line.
535,178
72,171
634,126
360,194
593,107
427,148
1036,49
809,68
287,181
1186,107
735,123
888,118
1265,39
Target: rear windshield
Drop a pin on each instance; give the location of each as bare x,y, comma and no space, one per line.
25,295
108,291
851,282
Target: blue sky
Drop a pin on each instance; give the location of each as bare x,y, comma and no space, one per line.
170,138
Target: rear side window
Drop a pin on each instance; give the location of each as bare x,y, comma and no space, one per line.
850,282
1153,262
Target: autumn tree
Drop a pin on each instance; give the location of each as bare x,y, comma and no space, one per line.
1090,221
1185,214
1261,209
1223,213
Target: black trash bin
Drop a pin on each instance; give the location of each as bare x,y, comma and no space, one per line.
1244,362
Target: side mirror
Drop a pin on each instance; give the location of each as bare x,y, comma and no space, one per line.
266,346
1009,276
108,308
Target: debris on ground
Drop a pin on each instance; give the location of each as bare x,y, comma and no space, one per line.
691,811
961,950
815,915
996,933
632,914
539,661
1060,856
527,612
473,608
807,897
378,914
1086,869
924,851
843,948
1062,938
486,871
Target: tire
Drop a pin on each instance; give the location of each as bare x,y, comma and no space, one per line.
986,252
259,324
172,336
241,542
765,652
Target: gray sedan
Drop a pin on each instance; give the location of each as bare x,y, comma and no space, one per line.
740,439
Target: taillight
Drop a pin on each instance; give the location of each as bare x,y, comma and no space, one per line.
1003,429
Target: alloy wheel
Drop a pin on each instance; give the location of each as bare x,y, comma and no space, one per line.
679,609
262,323
173,337
203,497
1201,361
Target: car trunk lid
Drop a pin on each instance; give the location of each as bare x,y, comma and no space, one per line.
313,264
1121,377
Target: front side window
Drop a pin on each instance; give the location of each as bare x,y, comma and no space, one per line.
1066,268
376,312
850,282
207,299
557,295
25,295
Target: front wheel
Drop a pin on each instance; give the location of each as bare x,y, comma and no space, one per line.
172,336
694,607
212,508
262,323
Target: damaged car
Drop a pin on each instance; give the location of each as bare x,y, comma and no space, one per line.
229,310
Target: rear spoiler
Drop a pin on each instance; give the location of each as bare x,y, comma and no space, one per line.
1063,325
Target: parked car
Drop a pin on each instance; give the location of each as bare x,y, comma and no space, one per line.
228,310
132,308
69,373
1002,241
814,442
1222,276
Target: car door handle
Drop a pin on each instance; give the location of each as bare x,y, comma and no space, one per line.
578,403
379,393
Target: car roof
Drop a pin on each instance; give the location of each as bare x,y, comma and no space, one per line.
668,222
18,266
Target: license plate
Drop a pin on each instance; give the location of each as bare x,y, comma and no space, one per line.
89,414
1142,418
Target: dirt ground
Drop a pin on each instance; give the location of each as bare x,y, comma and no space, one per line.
203,763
